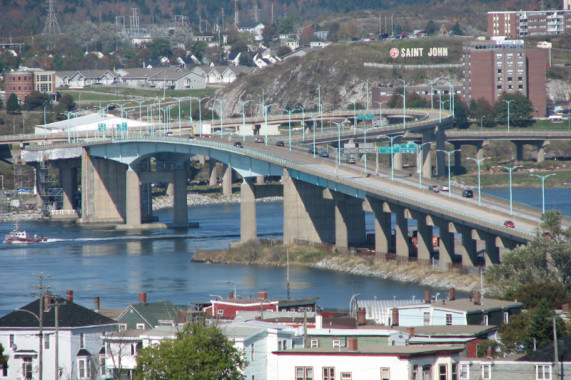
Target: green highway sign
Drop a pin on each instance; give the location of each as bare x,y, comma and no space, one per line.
101,127
407,150
387,149
366,116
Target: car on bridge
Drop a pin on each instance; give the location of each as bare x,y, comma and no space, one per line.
434,188
467,193
324,154
351,161
238,144
280,143
259,140
444,188
312,149
509,224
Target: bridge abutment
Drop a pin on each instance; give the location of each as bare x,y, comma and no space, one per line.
426,154
248,226
541,150
213,177
227,180
383,238
469,251
133,217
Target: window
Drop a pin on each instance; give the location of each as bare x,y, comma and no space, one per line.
122,326
252,352
220,312
82,340
83,368
314,343
280,345
414,372
442,372
46,342
27,370
385,373
426,318
303,373
485,320
285,344
328,373
543,372
454,371
140,326
102,367
346,376
5,371
11,340
448,319
486,371
506,317
336,343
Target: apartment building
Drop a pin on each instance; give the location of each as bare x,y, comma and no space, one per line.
516,24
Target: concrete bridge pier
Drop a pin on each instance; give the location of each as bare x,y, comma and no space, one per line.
227,180
401,231
469,249
518,150
133,213
248,226
383,238
180,205
457,156
349,220
213,178
446,247
440,156
397,164
308,216
68,182
423,237
480,149
541,150
426,154
492,252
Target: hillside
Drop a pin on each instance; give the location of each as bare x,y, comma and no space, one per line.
25,17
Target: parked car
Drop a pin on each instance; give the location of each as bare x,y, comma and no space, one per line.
467,193
238,144
509,224
280,143
351,161
324,154
259,140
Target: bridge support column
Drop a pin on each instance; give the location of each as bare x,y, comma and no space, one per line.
179,199
133,218
227,180
67,179
383,238
213,180
457,157
103,186
397,164
480,149
248,226
519,151
446,246
492,252
349,220
541,150
260,179
307,215
423,238
440,156
401,232
469,249
426,154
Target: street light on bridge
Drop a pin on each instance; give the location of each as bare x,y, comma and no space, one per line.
314,148
243,103
449,152
365,142
392,138
403,102
479,162
508,102
338,140
221,101
266,107
289,112
420,161
302,122
381,113
510,169
543,178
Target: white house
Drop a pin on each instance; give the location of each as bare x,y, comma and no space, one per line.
255,28
359,362
85,78
77,342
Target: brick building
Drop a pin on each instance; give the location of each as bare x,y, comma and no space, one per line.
23,82
494,67
516,24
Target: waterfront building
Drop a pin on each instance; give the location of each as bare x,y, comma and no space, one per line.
517,24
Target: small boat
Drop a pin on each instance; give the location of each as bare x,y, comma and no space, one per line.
18,236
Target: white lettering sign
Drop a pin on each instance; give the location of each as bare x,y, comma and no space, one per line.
418,52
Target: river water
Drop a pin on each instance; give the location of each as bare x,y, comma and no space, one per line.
117,265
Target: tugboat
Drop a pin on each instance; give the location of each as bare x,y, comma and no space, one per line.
17,236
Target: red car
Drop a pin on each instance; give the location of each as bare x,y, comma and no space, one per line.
509,224
280,143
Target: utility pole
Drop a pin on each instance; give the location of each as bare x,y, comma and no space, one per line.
555,353
42,290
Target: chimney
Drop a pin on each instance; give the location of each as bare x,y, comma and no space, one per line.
477,298
352,344
143,297
361,316
427,296
69,295
47,302
319,321
96,304
230,295
410,330
395,317
263,295
452,294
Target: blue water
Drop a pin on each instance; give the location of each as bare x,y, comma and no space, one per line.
558,198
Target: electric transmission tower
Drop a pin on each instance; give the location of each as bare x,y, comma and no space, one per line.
52,26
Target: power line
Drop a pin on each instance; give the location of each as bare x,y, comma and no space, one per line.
52,26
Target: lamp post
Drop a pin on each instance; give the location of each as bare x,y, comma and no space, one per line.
355,114
140,115
365,142
338,140
221,101
452,105
45,128
367,94
319,106
403,102
266,120
235,293
381,113
441,102
1,176
449,152
68,114
508,102
420,160
479,162
302,122
200,113
41,336
510,169
179,121
392,138
542,178
314,148
289,125
431,94
243,103
212,119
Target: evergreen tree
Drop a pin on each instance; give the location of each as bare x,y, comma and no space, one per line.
520,109
13,105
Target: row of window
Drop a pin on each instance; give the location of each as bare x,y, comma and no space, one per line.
542,371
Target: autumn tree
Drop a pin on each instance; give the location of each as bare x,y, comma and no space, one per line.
197,353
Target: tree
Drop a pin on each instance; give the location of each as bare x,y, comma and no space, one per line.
540,331
36,100
461,114
430,27
3,358
484,113
13,104
160,47
520,109
198,352
285,26
66,104
269,33
456,30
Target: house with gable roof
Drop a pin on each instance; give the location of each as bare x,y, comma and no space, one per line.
77,341
148,315
85,78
